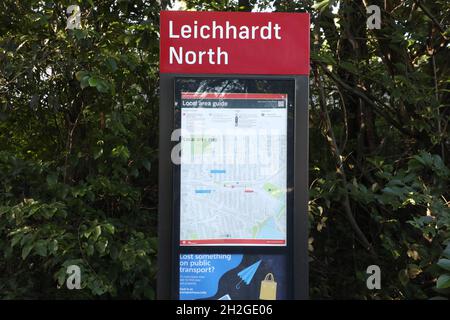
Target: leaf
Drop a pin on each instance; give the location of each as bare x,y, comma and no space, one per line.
41,248
90,250
413,254
322,5
147,164
443,281
16,239
112,64
446,252
26,250
79,34
102,86
53,246
323,57
83,77
414,271
120,151
444,264
93,81
154,243
84,83
109,227
97,232
101,245
61,276
403,276
52,179
27,239
81,74
98,153
348,66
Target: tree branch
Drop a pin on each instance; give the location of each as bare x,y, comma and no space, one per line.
341,170
361,94
430,15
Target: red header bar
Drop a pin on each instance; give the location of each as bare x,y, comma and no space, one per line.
226,95
195,42
233,241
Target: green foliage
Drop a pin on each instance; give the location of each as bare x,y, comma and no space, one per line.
384,149
443,280
78,139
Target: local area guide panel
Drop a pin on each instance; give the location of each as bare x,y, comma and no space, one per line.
233,169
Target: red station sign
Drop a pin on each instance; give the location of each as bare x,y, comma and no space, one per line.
234,43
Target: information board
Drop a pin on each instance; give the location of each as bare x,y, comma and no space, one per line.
233,156
233,168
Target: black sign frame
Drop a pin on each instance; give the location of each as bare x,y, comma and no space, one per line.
168,212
